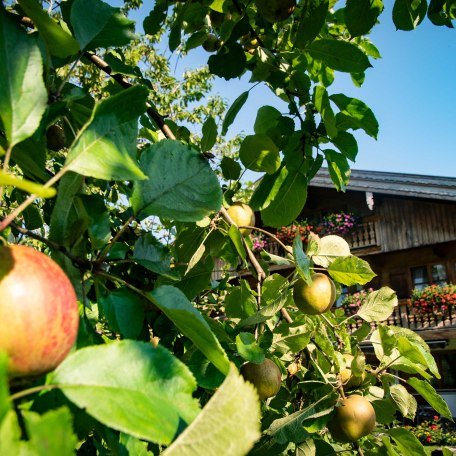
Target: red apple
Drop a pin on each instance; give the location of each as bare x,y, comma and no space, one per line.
38,311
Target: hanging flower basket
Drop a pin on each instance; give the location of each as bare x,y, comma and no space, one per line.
435,299
340,223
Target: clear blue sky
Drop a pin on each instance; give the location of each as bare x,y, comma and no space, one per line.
412,91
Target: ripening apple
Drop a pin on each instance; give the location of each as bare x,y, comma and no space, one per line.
316,298
275,10
242,215
38,311
266,377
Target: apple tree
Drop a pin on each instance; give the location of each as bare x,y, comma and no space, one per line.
101,172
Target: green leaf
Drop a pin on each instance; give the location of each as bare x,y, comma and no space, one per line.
267,189
153,255
289,428
125,312
240,302
181,185
236,238
267,118
339,55
105,26
321,102
248,348
351,270
291,340
273,285
311,22
233,111
30,187
339,169
267,312
23,96
10,434
173,303
5,403
347,144
405,402
407,443
229,62
106,147
131,387
356,113
58,41
379,305
259,153
362,15
288,202
231,169
229,424
197,279
430,395
408,14
302,260
153,22
209,134
51,433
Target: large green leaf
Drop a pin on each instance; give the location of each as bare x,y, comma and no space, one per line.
405,402
259,153
361,15
355,114
407,443
181,185
233,111
173,303
124,311
311,22
58,41
339,169
228,425
379,305
347,144
229,62
240,302
131,387
321,101
248,348
290,428
288,201
106,147
153,255
339,55
105,26
23,96
351,270
430,395
408,14
51,433
209,134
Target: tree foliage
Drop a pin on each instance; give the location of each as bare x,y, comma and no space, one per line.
134,210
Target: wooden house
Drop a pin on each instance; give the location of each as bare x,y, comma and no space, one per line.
407,233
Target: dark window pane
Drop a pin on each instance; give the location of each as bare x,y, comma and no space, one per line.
439,275
398,282
419,277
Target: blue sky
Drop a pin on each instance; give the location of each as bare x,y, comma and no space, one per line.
412,91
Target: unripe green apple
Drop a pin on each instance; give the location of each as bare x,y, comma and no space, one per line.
266,377
211,43
275,10
38,311
316,298
55,138
352,419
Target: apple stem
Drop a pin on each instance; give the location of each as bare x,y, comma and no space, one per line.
33,390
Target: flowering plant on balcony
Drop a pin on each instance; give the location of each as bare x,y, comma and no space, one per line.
352,302
433,433
340,223
258,242
433,299
287,234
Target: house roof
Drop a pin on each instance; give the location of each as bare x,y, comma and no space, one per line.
412,185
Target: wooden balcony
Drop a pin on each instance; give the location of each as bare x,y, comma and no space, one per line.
365,236
404,317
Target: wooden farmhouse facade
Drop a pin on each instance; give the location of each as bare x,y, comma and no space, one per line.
406,230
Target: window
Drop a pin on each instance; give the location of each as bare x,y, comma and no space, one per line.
422,276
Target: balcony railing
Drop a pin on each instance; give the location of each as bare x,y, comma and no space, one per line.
404,317
364,236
